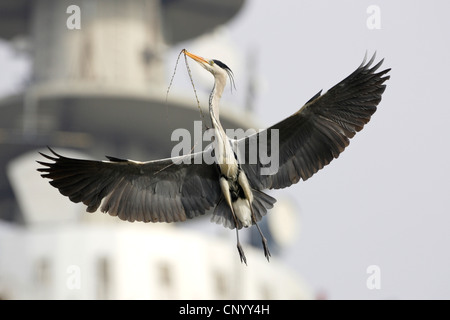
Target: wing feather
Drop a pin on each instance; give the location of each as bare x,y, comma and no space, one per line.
316,134
165,190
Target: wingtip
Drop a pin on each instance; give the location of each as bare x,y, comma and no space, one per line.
48,157
364,60
367,65
54,152
372,59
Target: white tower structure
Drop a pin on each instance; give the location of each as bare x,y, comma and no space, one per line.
98,86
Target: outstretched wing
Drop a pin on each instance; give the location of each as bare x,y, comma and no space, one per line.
318,132
166,190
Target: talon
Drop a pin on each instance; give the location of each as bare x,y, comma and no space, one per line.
264,242
241,254
266,249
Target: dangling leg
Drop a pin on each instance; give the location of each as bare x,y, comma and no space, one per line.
239,247
226,192
243,182
264,240
240,250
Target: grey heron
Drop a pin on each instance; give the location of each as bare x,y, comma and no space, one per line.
180,188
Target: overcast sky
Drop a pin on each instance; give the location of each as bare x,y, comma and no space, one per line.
385,202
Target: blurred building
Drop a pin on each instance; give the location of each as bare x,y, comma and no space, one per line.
98,87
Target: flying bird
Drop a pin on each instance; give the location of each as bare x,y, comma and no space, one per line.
183,187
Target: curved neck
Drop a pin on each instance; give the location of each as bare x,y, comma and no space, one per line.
223,152
214,100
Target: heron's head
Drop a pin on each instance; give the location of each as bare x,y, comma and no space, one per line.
219,70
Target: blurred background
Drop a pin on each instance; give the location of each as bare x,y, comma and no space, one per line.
90,78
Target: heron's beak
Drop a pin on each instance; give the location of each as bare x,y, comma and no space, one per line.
193,56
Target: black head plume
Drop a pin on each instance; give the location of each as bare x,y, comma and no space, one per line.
228,70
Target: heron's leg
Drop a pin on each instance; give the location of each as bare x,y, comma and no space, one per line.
224,185
239,247
264,242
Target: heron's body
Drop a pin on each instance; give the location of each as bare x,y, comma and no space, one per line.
232,187
180,188
233,181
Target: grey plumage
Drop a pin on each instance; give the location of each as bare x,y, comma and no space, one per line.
155,191
316,134
172,190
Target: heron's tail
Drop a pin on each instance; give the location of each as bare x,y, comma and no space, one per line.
261,203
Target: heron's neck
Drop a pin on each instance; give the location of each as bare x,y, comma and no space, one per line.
223,152
214,100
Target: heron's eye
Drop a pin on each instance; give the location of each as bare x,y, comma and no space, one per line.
211,62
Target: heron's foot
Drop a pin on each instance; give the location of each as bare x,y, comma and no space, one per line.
264,242
241,254
266,249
